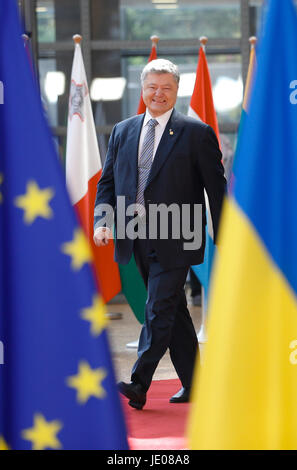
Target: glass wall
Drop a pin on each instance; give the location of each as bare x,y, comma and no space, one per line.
54,76
105,19
56,20
116,46
179,20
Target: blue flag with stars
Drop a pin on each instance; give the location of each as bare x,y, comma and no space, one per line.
57,386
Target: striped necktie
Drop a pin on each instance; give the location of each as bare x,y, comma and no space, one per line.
145,161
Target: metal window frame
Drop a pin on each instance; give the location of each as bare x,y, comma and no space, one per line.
131,48
28,11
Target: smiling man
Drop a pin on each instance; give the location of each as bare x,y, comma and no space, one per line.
161,158
159,92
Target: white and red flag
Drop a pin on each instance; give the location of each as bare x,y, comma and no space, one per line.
83,171
201,105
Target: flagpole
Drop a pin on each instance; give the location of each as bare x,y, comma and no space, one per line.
28,49
77,38
155,39
203,41
202,338
253,41
25,38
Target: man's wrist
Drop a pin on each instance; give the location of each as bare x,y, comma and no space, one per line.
102,229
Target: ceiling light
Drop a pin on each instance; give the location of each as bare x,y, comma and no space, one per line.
164,1
41,9
186,84
108,89
227,93
54,85
166,6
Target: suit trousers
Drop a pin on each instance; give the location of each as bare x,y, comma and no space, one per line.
168,323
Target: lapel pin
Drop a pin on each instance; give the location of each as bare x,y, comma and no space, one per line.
171,132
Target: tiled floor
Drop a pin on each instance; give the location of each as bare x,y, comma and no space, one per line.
127,329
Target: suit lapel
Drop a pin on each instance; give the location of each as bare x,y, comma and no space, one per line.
170,135
132,146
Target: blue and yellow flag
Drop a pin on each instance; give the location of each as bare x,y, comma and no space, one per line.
245,105
245,394
57,387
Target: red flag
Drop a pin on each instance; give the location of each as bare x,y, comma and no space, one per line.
153,56
202,108
201,105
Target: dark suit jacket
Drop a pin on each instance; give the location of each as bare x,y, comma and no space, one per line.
187,160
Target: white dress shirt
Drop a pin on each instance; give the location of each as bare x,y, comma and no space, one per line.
159,129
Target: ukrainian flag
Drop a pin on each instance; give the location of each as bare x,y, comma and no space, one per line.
245,394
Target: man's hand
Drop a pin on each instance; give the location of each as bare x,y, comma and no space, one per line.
102,236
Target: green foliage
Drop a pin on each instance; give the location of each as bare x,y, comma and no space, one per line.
181,23
46,28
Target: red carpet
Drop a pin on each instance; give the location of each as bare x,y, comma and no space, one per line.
160,425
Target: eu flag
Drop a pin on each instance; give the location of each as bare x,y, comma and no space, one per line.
57,387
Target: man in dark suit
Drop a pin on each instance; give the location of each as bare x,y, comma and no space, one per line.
161,159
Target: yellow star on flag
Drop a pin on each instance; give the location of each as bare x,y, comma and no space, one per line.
3,444
1,181
79,250
43,433
95,315
87,382
35,202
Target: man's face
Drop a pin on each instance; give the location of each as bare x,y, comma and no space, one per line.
159,93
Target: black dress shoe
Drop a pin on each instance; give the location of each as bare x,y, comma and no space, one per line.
182,396
134,392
